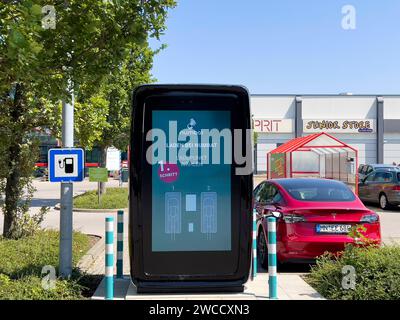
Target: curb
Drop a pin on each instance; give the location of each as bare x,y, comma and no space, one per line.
57,207
91,256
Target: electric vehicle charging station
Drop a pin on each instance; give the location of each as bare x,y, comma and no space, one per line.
190,201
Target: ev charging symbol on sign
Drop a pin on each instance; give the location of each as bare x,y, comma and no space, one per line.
66,165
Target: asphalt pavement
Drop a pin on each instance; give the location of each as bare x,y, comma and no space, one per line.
48,194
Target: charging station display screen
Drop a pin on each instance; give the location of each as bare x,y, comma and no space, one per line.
191,182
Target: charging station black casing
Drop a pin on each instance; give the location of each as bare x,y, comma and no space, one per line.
188,271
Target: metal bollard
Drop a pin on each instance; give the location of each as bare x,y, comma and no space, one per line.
109,274
254,243
120,244
272,259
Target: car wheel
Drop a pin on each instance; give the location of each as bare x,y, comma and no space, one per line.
383,202
262,250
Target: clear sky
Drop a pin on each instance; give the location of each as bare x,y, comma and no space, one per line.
283,46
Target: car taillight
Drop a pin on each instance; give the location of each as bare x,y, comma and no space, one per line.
293,218
396,188
370,218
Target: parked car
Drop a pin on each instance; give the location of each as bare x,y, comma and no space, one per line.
316,215
382,187
39,172
366,169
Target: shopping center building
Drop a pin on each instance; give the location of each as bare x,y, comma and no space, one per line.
369,123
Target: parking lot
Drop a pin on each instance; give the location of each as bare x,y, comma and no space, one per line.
390,224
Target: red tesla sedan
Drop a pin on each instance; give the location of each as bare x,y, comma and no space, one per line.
315,216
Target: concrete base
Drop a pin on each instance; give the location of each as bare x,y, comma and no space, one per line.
290,287
120,289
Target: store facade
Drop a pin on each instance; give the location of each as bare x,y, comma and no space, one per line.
368,123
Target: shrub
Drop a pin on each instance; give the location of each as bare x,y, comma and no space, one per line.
377,273
27,224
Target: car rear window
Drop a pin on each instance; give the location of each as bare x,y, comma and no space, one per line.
318,190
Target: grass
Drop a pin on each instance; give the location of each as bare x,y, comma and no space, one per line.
21,263
114,198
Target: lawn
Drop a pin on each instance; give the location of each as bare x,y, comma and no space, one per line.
114,198
21,263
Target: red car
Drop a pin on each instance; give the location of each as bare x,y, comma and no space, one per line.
315,216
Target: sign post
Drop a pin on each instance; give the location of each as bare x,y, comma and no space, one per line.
66,166
98,175
67,191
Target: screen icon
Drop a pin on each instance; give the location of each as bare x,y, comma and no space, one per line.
173,213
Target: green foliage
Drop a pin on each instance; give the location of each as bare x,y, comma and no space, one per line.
27,224
98,50
255,138
358,232
12,132
23,223
89,42
21,262
377,273
115,198
255,134
30,254
91,119
30,288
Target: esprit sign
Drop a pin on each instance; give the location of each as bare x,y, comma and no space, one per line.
339,126
273,125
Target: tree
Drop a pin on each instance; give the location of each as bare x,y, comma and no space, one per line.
90,42
103,119
135,70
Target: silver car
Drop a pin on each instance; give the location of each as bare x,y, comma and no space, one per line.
382,187
366,169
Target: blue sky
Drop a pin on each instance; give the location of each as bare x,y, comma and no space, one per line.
283,46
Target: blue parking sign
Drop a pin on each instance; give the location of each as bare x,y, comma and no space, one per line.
66,165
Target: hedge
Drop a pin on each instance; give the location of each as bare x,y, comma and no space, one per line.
377,274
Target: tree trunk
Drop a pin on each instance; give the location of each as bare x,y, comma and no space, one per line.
12,192
103,162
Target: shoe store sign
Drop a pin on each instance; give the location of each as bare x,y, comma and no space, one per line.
339,126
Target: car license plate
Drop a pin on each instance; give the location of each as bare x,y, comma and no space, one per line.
333,228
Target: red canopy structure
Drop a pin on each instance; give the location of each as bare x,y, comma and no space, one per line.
317,155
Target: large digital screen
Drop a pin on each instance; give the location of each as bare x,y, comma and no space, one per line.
191,181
